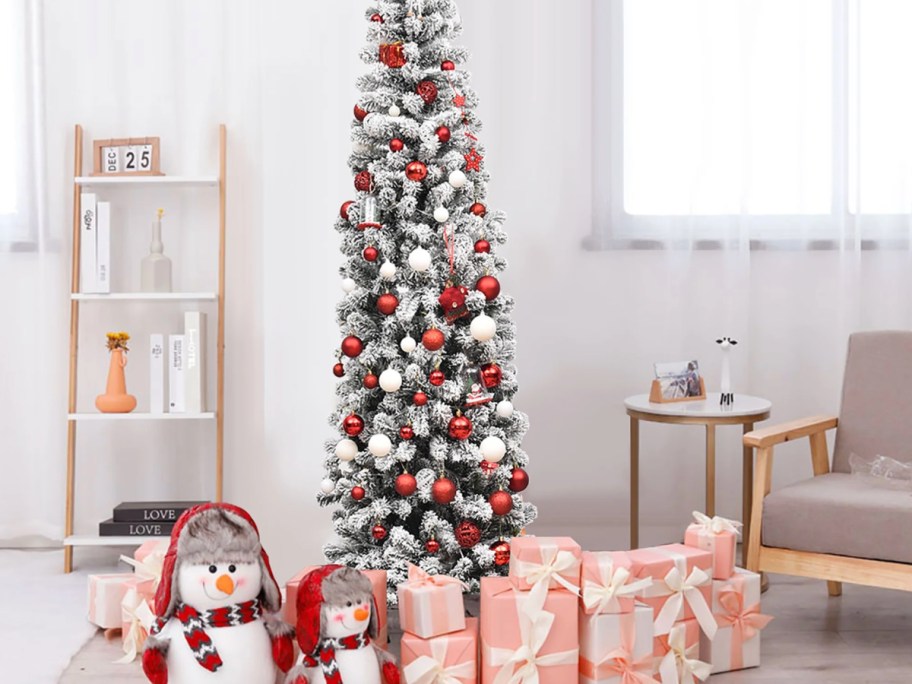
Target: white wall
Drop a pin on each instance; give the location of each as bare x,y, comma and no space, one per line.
281,75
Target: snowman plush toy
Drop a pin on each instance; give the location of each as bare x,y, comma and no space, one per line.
217,604
336,622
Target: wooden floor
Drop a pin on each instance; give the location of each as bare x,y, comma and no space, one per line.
864,637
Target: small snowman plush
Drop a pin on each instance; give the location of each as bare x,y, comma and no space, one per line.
336,621
217,604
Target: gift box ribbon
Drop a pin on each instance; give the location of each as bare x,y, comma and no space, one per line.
540,575
615,584
746,623
432,670
679,587
419,578
136,609
679,666
150,568
716,525
621,662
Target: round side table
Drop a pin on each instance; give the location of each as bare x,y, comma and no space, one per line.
745,411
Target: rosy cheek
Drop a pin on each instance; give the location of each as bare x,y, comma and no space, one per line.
240,583
339,618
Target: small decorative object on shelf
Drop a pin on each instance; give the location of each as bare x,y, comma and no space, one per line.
677,381
115,399
156,267
728,397
127,157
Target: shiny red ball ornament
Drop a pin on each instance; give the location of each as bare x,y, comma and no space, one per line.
467,534
448,66
343,212
479,209
489,286
375,17
363,181
433,339
371,254
460,427
379,532
491,375
419,399
396,145
352,346
339,370
406,484
432,546
501,503
371,381
437,378
519,480
482,247
443,491
406,432
416,171
428,91
387,303
501,551
488,467
353,425
444,134
360,114
358,493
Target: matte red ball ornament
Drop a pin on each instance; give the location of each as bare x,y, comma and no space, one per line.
358,493
433,339
406,432
371,381
379,532
416,171
428,91
488,467
479,209
396,145
491,375
489,286
482,247
377,18
443,491
448,66
352,346
519,480
444,134
360,114
339,370
371,254
467,534
343,212
501,503
432,546
501,551
420,399
406,484
353,425
364,181
387,303
437,378
460,427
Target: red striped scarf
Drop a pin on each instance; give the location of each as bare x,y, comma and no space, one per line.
325,655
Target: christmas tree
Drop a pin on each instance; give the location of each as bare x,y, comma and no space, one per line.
427,466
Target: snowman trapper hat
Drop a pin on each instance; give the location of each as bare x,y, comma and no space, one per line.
214,533
329,585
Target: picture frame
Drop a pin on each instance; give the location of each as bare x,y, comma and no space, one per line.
676,382
127,157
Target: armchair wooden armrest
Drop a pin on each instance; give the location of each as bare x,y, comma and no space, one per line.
787,432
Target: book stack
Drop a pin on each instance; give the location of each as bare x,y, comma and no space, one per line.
144,518
185,358
95,245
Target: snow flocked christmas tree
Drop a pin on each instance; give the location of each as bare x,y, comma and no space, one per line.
428,464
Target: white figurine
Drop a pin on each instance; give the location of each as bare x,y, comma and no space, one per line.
728,397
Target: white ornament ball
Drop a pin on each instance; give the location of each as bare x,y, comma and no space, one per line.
346,450
388,271
420,259
390,380
441,215
327,486
380,445
408,344
349,285
505,409
394,111
493,449
483,328
458,179
359,147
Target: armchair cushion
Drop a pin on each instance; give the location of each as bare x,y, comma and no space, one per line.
840,514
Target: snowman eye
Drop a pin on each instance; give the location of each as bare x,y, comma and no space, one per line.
213,569
349,604
232,568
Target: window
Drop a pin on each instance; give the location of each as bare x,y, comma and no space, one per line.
792,117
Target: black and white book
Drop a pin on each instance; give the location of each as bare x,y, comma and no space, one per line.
152,511
109,528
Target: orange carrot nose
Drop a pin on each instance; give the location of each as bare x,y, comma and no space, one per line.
225,584
361,614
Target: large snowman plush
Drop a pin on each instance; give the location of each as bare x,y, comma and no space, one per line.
217,605
336,622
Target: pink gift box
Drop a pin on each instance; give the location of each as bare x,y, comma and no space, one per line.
736,605
430,605
137,617
106,593
152,546
451,657
616,648
609,582
692,634
514,626
722,545
536,559
681,585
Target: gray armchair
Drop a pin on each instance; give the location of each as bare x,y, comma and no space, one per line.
838,526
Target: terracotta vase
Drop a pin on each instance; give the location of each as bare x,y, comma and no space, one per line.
115,399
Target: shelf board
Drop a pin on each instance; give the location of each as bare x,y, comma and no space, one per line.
95,540
146,297
167,181
141,416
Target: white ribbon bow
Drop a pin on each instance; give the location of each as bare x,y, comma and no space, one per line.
150,568
679,666
141,617
540,575
431,670
681,590
717,524
613,586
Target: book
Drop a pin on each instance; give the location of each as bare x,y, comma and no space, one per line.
194,362
103,248
156,373
88,243
109,528
176,395
152,511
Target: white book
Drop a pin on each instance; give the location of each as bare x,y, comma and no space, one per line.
195,361
176,374
88,243
103,249
156,373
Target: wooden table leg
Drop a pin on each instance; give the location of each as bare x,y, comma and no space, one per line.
634,483
710,470
747,492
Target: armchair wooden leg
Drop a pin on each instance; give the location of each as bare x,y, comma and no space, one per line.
762,482
834,588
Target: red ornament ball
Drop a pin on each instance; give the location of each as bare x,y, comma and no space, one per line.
352,346
353,425
406,432
437,378
358,493
339,370
343,212
387,303
460,427
377,18
467,534
406,484
491,375
371,381
433,339
360,114
519,480
379,532
479,209
416,171
443,134
501,551
482,247
443,491
432,546
448,66
489,286
363,181
501,503
371,254
419,399
428,91
396,145
488,467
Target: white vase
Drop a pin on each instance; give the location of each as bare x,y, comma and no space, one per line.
156,267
